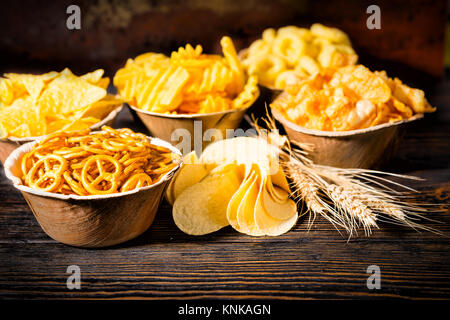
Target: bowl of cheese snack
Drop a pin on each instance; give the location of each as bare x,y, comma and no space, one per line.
187,90
32,106
93,189
285,56
350,115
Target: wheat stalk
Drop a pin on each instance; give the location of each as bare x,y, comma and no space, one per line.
348,198
306,190
357,213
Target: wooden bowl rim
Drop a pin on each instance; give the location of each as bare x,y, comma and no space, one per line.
17,182
111,116
332,134
187,116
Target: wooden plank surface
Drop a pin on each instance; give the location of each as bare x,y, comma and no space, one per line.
164,263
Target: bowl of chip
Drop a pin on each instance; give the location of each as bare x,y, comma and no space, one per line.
179,129
7,145
97,219
351,115
181,97
360,148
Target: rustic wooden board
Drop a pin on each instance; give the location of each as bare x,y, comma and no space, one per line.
164,263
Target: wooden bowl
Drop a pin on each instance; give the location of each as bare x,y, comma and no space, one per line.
195,125
91,221
11,143
361,148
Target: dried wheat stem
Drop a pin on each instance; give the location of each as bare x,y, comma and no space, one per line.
306,190
358,213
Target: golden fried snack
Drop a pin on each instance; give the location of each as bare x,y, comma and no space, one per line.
188,82
347,98
84,163
35,105
283,56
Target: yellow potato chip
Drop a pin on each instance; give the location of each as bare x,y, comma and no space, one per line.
236,200
267,221
347,98
246,210
187,82
202,207
189,174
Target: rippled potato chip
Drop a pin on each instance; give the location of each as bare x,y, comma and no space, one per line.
236,182
292,52
187,82
35,105
347,98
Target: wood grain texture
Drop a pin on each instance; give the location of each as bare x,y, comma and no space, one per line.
164,263
411,33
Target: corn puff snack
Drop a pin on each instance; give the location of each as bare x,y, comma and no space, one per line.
347,98
289,54
105,162
188,82
36,105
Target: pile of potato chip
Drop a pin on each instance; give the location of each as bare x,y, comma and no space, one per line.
236,182
36,105
291,53
188,82
347,98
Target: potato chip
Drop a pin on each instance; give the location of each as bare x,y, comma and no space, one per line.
246,209
187,82
265,220
347,98
188,175
202,207
236,200
255,206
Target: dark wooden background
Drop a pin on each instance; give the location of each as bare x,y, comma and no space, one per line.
164,263
34,36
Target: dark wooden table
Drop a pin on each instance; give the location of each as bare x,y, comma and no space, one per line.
164,263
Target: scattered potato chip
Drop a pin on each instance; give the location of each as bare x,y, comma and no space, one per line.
187,82
291,52
244,180
36,105
347,98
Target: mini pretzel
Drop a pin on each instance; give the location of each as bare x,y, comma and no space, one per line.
93,186
51,172
100,163
136,181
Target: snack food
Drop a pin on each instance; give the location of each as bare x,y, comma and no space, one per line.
188,82
84,163
36,105
233,183
289,54
347,98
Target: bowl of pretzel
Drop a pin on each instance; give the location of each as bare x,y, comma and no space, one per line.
93,189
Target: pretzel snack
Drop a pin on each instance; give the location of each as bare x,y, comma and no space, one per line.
85,163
